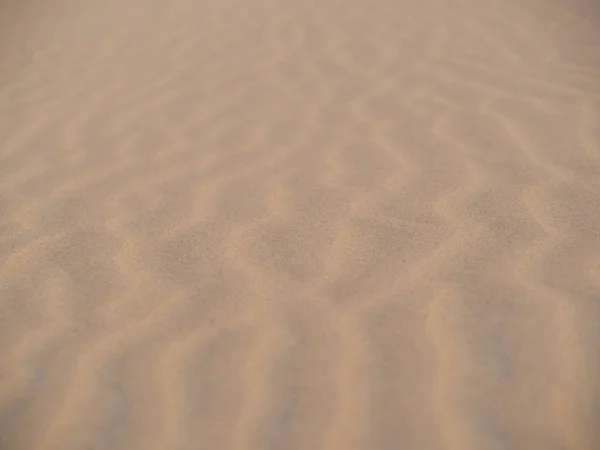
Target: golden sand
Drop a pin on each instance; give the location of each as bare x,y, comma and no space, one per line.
299,224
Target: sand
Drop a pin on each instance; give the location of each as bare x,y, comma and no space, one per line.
300,224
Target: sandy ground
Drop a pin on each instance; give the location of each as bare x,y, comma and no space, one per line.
300,224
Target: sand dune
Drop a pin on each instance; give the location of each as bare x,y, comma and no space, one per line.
285,224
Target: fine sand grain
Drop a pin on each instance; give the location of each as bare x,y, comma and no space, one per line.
299,225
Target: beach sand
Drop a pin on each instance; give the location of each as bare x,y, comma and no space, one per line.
300,224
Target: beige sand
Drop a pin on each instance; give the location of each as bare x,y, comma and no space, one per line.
300,224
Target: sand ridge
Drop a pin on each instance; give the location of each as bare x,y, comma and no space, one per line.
284,224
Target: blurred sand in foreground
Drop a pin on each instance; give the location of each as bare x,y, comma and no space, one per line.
300,225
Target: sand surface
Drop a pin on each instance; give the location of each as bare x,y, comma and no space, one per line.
299,225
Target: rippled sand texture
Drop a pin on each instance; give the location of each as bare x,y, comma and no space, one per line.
300,224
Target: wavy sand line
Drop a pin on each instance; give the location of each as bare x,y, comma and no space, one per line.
258,370
22,356
422,269
564,309
205,200
455,430
451,359
464,230
171,378
567,398
349,419
88,365
456,433
258,367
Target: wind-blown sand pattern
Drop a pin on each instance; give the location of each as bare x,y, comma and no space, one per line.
300,224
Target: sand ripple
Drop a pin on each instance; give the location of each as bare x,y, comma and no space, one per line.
281,224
